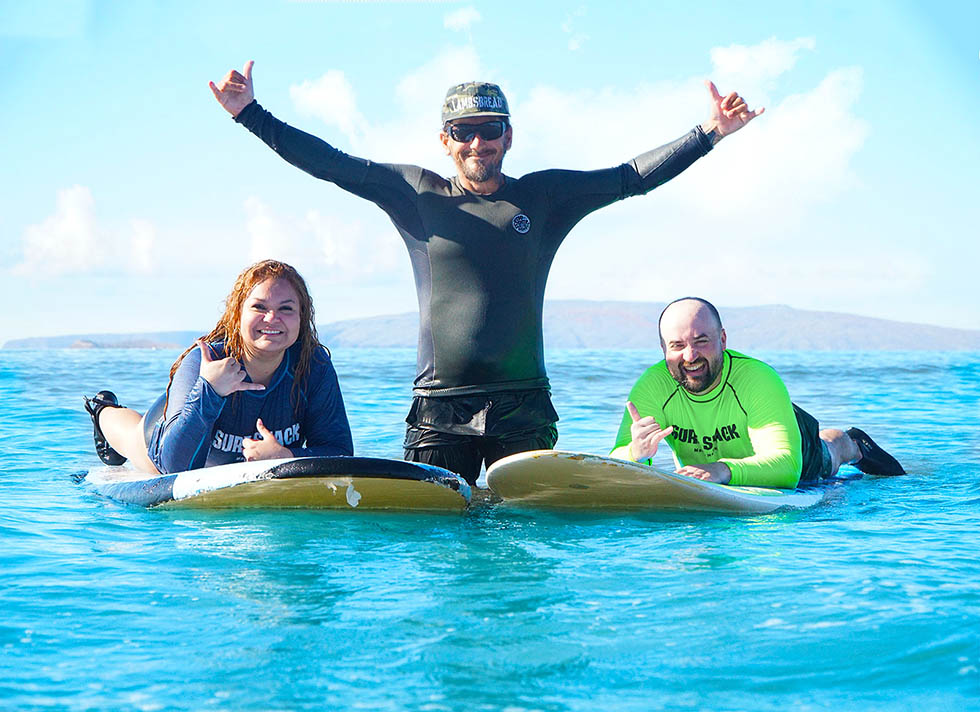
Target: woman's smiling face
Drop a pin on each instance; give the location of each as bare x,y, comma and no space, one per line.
270,318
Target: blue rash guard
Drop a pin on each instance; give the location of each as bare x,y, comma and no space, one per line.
202,429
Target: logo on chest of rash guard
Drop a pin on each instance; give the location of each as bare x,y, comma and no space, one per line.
521,223
703,443
229,442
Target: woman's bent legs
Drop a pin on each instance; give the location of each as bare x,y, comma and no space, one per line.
123,429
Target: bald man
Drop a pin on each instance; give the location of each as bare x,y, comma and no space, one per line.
728,418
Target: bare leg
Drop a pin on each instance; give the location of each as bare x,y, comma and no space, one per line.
123,429
842,449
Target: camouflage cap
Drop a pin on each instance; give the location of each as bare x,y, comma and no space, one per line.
474,99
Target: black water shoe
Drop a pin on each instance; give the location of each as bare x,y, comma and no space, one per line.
94,406
874,460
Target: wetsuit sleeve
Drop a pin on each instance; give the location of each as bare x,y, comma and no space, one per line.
773,432
328,432
654,168
192,410
648,397
578,193
393,188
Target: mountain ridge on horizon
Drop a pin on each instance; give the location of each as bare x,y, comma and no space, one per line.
586,324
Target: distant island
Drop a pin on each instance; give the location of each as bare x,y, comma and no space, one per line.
581,324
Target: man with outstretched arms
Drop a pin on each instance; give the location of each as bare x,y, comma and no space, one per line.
481,244
727,417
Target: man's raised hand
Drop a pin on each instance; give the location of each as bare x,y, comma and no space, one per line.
234,92
729,113
646,434
226,375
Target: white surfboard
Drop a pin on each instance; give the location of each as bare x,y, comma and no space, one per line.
362,483
568,480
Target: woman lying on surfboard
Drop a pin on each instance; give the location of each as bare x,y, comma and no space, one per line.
259,386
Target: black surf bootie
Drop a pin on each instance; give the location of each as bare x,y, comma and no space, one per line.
874,460
94,406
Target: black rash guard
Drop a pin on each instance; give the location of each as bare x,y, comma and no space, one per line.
480,261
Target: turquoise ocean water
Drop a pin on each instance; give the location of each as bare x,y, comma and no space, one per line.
869,601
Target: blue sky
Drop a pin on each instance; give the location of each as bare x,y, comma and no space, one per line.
130,199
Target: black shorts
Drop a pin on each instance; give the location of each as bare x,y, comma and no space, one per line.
460,433
816,457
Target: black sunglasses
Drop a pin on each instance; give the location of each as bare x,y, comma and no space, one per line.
464,133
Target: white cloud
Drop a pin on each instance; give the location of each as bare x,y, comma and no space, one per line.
421,92
331,99
64,242
795,157
71,241
461,19
758,63
409,132
586,128
270,238
142,245
577,38
411,135
348,249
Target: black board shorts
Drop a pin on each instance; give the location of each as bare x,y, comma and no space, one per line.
817,463
460,433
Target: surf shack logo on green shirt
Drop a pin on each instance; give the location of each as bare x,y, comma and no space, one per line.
688,436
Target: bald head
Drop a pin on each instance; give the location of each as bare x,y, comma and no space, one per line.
684,311
693,341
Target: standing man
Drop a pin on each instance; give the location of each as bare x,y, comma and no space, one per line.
481,244
727,417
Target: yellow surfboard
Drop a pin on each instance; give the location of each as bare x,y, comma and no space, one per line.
362,483
568,480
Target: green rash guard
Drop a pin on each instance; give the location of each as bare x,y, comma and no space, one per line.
746,421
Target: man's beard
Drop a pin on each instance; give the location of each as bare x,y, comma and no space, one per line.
485,170
699,383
